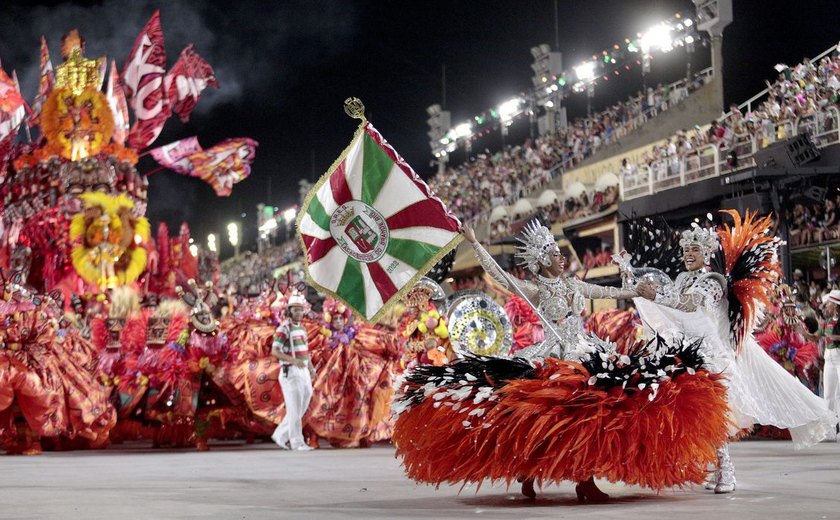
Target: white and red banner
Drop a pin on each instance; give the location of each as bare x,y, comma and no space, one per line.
142,79
12,106
221,166
118,104
46,82
188,78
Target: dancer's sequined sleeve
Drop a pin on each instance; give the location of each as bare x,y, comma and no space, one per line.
488,264
705,293
596,292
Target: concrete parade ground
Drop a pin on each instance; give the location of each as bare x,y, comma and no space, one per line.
234,481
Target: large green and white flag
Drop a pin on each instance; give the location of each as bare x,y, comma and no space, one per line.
371,227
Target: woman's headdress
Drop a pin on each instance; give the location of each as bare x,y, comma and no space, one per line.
536,243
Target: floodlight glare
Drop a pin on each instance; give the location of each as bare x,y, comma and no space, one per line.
657,37
463,130
585,71
508,109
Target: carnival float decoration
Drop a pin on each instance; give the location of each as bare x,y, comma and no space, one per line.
70,190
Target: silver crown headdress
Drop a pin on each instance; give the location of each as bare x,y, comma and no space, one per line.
537,241
706,238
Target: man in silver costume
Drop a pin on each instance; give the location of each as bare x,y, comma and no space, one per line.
759,390
694,289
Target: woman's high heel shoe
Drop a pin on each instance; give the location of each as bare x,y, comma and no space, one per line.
587,491
528,488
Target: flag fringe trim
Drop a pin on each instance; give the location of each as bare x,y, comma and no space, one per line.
386,307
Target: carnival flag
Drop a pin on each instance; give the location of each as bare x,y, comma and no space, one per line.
143,82
45,84
371,227
12,106
118,104
221,166
185,82
176,156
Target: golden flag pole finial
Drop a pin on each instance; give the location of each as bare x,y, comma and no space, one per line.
354,108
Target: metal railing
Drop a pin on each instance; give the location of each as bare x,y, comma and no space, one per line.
712,160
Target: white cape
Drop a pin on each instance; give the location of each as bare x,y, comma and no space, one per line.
759,390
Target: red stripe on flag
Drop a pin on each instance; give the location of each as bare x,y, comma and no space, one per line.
382,281
307,240
318,248
338,184
427,212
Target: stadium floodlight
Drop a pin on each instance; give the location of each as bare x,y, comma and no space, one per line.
268,226
211,242
463,131
509,108
585,71
657,37
233,234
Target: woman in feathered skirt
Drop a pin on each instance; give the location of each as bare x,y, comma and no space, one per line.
569,408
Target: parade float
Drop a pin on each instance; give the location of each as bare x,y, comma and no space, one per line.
89,298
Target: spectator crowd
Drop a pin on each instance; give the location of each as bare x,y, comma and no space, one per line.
808,93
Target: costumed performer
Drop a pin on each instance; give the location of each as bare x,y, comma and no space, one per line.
720,306
569,408
830,335
351,396
291,347
784,338
47,384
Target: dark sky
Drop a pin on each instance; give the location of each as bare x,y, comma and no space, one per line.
285,68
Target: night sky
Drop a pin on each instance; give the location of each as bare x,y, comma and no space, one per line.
285,68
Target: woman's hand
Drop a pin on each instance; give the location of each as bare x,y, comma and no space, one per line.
469,233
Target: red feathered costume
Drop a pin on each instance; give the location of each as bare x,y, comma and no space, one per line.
609,417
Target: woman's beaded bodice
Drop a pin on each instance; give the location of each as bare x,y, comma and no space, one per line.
561,302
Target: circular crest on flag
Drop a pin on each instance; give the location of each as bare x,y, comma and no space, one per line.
478,325
360,231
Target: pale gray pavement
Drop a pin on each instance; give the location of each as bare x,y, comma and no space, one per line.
257,482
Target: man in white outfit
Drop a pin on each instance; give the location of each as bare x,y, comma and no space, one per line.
291,347
830,332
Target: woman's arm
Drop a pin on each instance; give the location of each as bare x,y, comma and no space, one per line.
599,292
495,271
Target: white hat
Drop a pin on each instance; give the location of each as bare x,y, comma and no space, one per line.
297,299
834,297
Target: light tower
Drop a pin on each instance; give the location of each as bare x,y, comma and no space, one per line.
439,124
713,16
547,67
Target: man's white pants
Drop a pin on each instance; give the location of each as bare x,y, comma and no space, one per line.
831,378
297,391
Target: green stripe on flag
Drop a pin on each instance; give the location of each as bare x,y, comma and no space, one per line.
413,253
352,286
318,213
376,167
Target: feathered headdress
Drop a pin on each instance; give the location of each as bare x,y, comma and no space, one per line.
536,242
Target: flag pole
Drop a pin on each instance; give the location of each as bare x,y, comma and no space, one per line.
546,324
